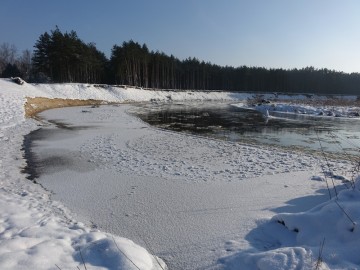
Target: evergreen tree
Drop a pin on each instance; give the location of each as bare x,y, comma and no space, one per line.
63,57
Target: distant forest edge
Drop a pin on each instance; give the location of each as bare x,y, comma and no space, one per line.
63,57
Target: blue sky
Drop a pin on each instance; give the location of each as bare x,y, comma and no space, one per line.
264,33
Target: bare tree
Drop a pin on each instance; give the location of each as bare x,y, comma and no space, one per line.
7,55
24,64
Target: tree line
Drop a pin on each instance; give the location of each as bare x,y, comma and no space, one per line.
64,57
12,64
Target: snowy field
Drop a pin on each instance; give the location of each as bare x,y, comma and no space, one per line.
195,203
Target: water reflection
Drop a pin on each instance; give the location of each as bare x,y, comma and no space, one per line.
224,121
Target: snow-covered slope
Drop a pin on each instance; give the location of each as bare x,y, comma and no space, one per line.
115,94
325,237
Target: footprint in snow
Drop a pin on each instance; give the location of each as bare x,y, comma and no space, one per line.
133,188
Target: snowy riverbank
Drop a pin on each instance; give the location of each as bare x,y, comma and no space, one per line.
39,233
36,232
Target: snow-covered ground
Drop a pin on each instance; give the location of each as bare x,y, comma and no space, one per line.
169,192
36,232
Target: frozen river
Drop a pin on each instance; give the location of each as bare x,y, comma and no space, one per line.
187,199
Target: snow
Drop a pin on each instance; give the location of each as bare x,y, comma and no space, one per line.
37,232
323,111
299,237
194,202
166,179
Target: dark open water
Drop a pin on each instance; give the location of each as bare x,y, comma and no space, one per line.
226,122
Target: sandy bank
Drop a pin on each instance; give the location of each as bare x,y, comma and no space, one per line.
39,104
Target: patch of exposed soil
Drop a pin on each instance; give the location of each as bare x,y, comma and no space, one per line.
39,104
